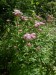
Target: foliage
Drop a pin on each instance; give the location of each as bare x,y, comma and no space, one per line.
26,55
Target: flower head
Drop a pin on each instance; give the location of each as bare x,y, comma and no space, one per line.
28,36
38,23
38,17
42,23
17,12
33,35
24,18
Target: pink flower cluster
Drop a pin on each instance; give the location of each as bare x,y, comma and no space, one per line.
20,14
17,12
28,36
24,18
38,23
38,17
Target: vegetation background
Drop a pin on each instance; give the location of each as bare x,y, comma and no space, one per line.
19,56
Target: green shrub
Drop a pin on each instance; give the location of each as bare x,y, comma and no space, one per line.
21,55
